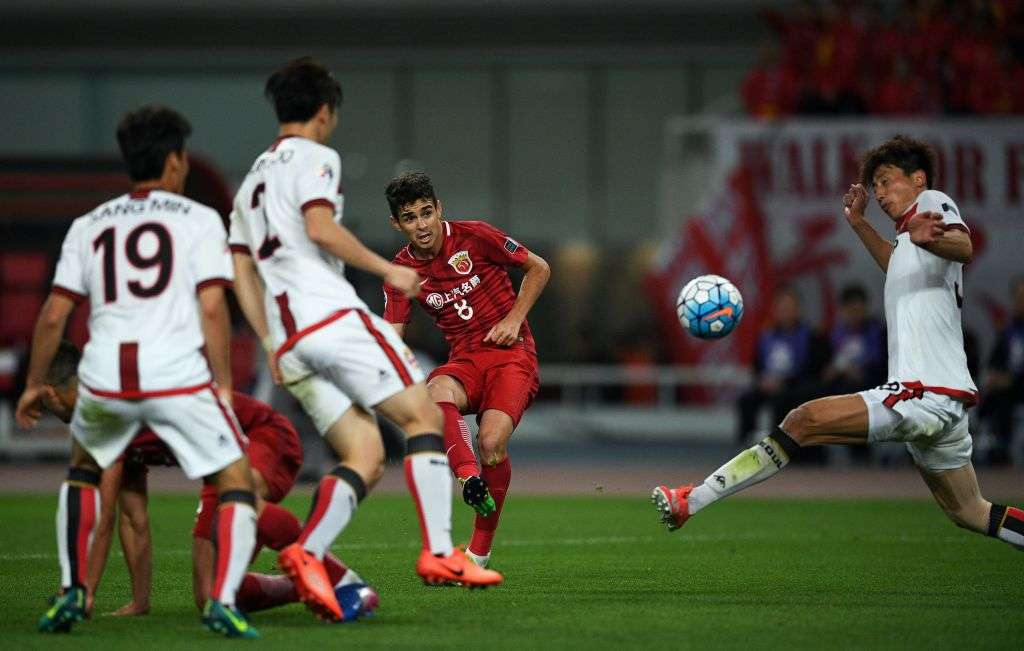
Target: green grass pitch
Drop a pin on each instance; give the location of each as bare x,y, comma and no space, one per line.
586,572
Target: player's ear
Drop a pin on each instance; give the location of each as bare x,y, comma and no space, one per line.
394,223
919,179
439,208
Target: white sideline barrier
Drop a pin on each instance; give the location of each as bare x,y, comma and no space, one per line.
578,414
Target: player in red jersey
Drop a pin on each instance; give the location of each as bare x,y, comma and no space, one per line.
492,363
275,456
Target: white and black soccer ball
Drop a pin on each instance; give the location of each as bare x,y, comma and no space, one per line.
709,307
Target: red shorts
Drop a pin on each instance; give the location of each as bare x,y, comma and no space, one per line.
275,454
506,379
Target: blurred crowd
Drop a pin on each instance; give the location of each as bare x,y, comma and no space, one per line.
915,57
796,362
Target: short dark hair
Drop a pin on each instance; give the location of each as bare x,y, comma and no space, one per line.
147,136
64,366
299,88
903,152
851,293
408,188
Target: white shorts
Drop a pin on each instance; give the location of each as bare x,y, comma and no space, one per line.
358,358
933,426
201,431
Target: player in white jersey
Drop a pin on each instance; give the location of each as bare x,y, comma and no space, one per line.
925,401
153,266
341,361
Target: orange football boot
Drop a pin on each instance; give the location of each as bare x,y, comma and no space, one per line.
311,582
672,503
455,568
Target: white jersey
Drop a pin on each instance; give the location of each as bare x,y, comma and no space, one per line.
141,259
304,284
923,299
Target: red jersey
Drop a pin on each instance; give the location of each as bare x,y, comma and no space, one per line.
259,423
467,288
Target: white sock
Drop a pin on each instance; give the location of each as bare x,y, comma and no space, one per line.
747,468
481,560
336,501
429,480
236,541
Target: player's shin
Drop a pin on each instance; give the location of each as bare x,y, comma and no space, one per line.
498,478
234,540
1007,524
334,502
428,477
78,510
277,527
749,467
458,442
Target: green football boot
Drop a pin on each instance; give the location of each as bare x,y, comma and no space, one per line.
67,609
475,493
228,620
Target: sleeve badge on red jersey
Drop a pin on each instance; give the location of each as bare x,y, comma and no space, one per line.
511,245
461,262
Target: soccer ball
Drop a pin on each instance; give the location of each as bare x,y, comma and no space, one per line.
709,307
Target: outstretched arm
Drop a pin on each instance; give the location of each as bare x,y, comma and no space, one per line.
928,232
48,332
506,331
341,243
136,541
854,203
249,292
110,486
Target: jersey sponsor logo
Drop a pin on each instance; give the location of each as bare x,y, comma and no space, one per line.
437,300
511,245
461,262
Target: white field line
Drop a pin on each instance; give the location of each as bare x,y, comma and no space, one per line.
580,542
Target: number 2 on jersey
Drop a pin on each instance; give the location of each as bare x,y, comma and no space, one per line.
270,242
163,258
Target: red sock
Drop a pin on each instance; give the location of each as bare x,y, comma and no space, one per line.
277,527
262,591
498,479
458,442
335,568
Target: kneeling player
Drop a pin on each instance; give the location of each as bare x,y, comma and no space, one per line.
925,401
492,365
275,456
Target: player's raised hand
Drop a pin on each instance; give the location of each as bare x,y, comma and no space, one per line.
854,203
404,280
925,227
30,407
504,332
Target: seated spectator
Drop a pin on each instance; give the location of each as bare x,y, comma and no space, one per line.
858,358
787,365
1004,390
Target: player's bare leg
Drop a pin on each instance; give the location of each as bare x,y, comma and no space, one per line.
429,481
959,495
356,439
495,431
836,419
78,509
450,396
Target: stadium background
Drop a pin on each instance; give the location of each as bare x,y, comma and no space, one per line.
630,144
